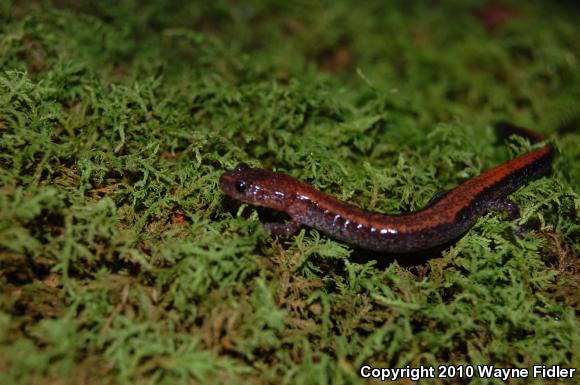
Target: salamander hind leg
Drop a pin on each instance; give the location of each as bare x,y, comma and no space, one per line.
505,205
288,228
510,208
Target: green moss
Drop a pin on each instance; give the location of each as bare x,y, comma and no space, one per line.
121,262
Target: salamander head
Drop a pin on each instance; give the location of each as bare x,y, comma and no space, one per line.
259,187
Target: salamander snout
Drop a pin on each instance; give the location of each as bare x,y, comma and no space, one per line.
236,183
256,186
228,183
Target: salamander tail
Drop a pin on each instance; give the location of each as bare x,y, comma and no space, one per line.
504,130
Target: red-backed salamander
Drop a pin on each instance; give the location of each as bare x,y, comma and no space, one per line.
445,218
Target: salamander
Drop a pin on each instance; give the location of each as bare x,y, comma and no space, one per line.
447,217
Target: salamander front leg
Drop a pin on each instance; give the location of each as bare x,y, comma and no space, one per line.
287,229
437,197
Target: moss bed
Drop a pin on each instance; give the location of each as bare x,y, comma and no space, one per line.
122,262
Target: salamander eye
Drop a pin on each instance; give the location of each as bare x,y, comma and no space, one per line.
240,186
242,167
